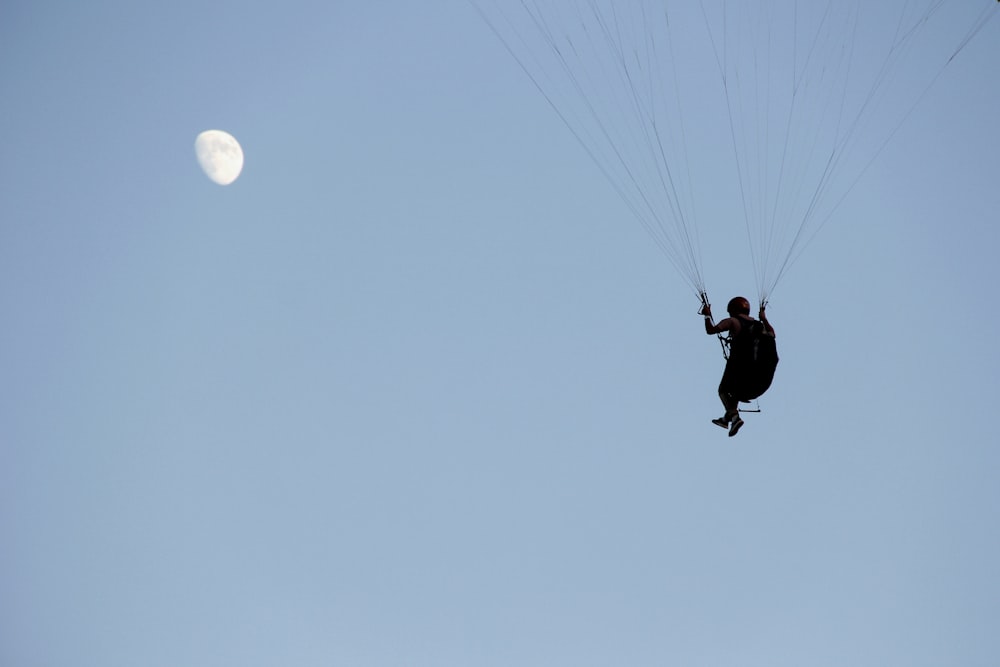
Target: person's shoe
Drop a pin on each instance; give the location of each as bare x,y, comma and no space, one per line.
721,421
735,427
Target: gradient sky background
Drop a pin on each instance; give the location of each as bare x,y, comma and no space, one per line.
417,389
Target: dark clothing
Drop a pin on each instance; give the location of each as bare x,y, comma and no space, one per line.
753,358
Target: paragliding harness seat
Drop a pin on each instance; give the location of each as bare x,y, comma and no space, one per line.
751,359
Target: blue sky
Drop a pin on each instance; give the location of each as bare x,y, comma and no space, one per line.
417,390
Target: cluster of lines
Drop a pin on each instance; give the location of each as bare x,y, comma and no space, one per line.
810,100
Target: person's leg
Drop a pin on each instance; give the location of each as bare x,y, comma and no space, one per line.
731,405
731,419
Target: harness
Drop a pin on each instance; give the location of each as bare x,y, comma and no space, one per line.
751,354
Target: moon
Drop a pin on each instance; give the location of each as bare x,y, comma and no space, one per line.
219,155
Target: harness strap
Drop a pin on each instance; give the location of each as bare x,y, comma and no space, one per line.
723,340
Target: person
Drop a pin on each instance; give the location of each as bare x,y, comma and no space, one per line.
742,380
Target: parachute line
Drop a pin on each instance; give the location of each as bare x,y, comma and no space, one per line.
810,94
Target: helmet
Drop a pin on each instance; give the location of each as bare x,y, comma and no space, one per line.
738,305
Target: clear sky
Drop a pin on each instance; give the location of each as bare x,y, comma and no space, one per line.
418,390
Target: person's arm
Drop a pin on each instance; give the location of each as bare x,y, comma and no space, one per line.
728,324
711,329
768,329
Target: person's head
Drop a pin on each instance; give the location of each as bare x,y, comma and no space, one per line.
738,306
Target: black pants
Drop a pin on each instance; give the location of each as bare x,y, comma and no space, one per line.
731,387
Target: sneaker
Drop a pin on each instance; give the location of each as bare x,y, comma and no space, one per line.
721,421
735,428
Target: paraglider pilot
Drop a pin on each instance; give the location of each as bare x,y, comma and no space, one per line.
742,380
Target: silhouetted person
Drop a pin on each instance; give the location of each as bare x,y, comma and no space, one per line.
746,376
